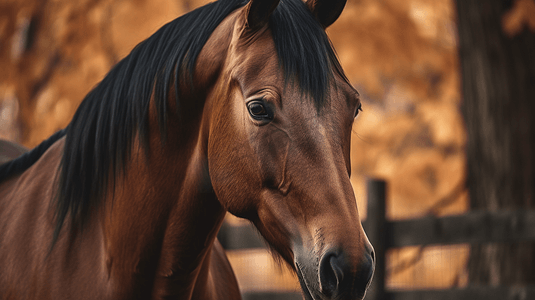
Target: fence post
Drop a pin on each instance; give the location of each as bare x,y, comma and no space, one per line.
375,229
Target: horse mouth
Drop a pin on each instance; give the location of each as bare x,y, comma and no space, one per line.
302,281
308,288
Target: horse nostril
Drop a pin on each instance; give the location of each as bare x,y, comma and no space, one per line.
330,273
336,277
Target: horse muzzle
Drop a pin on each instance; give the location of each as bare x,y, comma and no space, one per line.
334,276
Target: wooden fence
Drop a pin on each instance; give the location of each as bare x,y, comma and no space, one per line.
475,227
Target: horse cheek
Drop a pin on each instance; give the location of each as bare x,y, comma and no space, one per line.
233,178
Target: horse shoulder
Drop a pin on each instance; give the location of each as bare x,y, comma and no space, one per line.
25,224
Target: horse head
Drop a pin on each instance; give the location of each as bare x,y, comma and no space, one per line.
281,115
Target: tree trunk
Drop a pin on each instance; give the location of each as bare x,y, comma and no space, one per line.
498,84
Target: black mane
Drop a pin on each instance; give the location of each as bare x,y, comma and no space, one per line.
304,50
99,138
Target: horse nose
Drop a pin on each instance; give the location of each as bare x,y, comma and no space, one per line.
335,274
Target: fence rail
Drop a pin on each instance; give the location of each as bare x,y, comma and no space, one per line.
488,293
473,228
476,227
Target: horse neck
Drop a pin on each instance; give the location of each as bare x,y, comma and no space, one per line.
164,216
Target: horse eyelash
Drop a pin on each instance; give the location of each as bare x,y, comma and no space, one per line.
359,109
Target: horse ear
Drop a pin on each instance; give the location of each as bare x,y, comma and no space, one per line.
258,12
326,11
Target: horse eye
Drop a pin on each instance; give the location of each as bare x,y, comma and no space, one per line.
257,110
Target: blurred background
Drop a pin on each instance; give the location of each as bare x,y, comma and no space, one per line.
406,58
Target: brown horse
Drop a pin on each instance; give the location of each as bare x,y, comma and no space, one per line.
238,106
